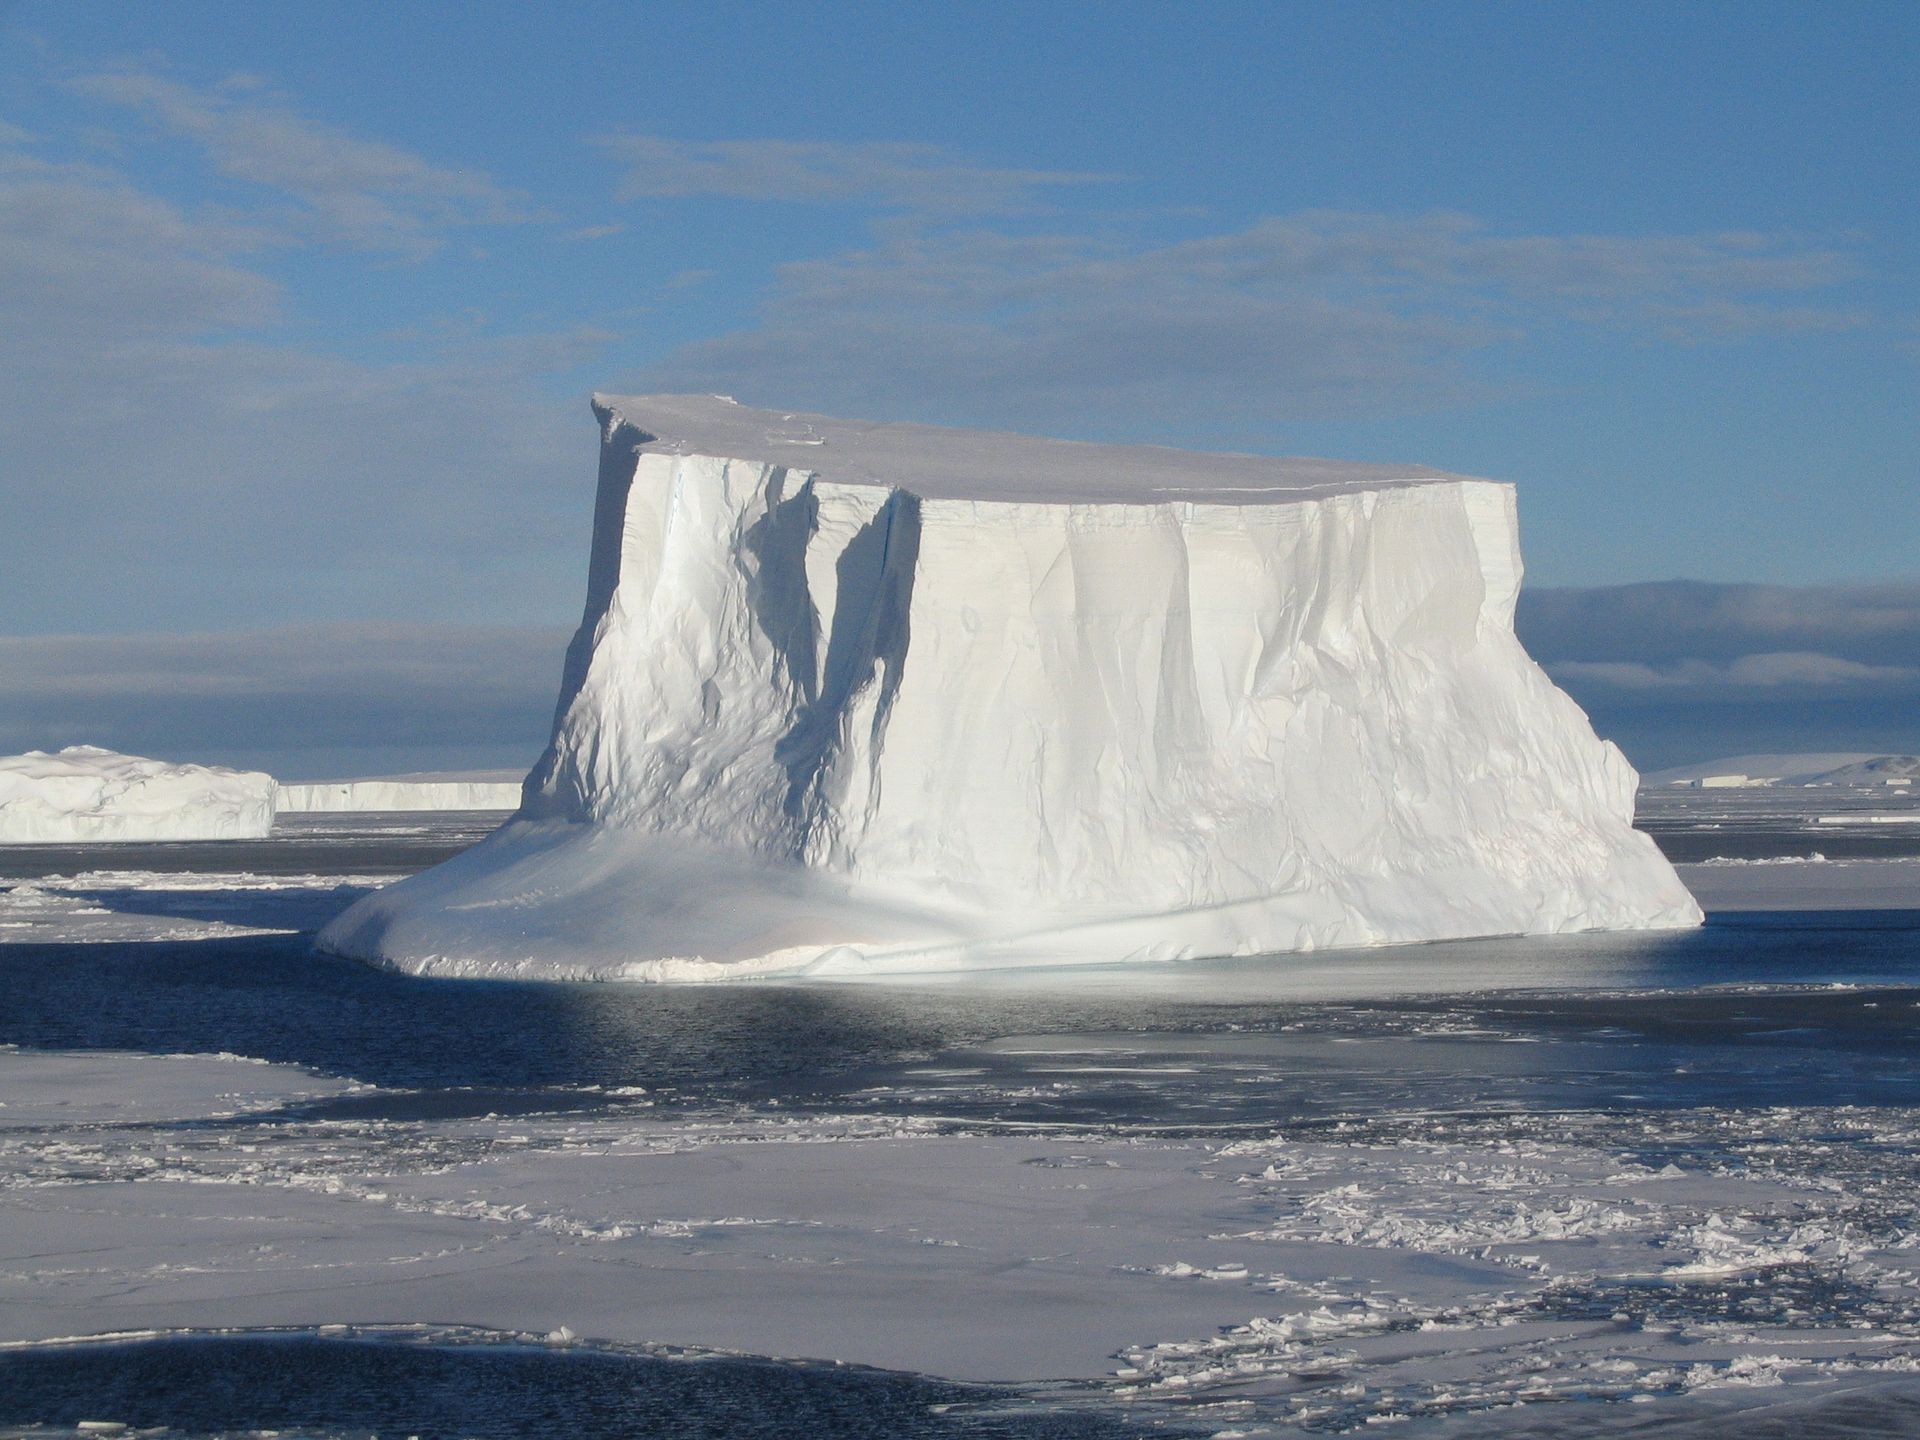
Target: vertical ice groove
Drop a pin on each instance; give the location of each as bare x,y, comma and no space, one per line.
814,749
773,554
893,633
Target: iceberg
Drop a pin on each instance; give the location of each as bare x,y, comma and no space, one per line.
85,794
432,790
852,698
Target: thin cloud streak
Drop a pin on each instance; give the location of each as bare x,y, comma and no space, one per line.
362,193
86,257
132,328
1314,315
889,175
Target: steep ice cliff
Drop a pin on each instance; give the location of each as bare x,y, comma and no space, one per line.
86,794
855,698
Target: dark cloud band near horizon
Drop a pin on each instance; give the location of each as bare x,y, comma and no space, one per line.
302,702
1675,672
1679,671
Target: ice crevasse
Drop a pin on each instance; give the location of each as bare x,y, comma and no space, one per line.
853,698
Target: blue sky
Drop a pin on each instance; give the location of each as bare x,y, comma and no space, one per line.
299,305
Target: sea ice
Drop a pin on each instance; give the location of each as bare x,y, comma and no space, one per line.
1460,1264
103,907
86,794
1808,882
852,698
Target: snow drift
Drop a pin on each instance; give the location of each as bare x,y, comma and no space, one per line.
857,698
84,793
434,790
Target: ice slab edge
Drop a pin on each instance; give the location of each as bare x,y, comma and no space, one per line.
86,794
812,726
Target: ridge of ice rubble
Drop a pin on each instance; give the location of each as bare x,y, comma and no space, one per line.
901,698
85,793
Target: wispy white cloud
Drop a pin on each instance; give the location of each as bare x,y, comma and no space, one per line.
84,256
596,232
154,320
1296,317
362,193
1719,320
1454,251
167,452
889,175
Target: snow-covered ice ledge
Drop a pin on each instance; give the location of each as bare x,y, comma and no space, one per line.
87,795
852,698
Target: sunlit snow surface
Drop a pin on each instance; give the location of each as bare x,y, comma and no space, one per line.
1589,1185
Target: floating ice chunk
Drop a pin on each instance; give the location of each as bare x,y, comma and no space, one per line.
85,793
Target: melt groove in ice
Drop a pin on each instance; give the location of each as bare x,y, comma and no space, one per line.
866,699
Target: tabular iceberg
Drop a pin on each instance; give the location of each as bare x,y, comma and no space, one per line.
853,698
85,794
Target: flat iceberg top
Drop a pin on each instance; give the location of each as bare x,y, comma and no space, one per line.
937,462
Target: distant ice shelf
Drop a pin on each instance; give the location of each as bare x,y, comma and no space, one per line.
855,699
86,794
451,790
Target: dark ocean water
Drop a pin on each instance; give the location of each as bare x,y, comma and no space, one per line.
1750,1010
396,1385
1754,1010
221,1387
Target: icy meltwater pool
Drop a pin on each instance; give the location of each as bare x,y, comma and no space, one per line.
1574,1186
